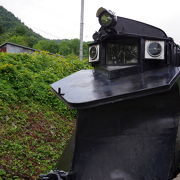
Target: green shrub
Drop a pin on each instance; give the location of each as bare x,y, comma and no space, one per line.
34,123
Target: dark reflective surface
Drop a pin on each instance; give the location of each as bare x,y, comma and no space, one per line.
83,89
129,140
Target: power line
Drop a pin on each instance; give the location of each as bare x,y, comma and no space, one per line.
46,32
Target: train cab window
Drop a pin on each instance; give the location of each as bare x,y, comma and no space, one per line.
124,52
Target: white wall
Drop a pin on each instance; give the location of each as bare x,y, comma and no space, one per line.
15,49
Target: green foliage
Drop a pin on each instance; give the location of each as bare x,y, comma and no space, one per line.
20,30
12,24
1,29
67,47
18,40
63,47
34,123
31,40
30,75
13,30
47,45
85,49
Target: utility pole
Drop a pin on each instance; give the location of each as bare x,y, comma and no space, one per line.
81,31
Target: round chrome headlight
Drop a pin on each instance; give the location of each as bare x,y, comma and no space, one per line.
154,49
93,52
105,19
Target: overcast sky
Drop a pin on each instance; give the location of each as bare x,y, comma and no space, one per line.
60,19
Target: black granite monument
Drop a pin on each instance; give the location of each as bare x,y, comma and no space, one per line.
128,105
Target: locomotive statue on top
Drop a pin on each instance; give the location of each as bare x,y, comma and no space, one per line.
124,46
128,105
124,51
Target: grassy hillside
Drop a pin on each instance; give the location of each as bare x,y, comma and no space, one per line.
34,123
10,23
13,30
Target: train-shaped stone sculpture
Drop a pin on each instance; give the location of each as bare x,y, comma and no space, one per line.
128,105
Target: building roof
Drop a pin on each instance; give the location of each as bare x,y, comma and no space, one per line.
17,45
25,47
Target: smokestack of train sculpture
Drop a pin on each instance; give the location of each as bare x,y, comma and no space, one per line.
128,105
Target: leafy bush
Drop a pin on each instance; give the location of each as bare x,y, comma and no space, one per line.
34,124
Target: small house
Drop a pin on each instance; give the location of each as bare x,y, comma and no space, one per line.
9,47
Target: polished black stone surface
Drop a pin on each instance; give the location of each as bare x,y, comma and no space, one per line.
128,140
85,89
